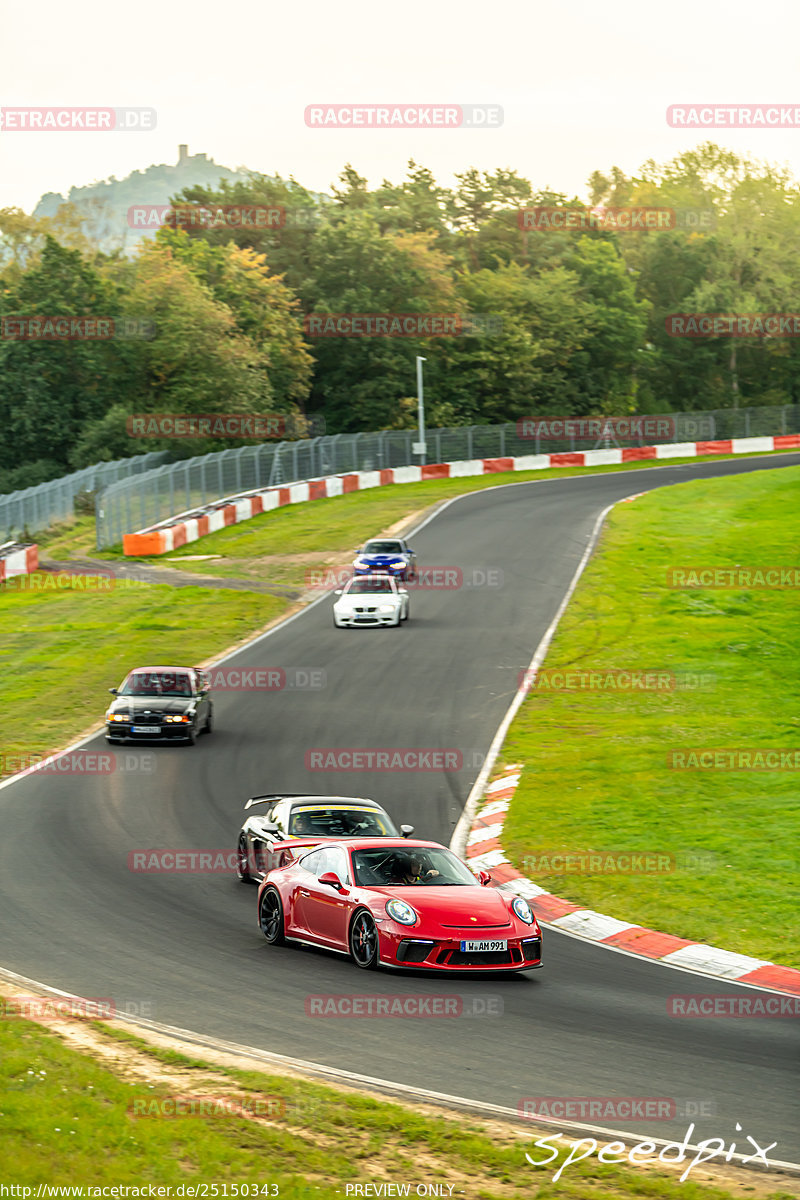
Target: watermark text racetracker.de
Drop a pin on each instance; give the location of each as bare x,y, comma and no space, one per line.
390,758
615,1108
404,116
266,679
70,1008
738,577
77,762
401,324
77,120
732,325
734,758
96,580
426,579
739,1005
427,1005
733,116
58,327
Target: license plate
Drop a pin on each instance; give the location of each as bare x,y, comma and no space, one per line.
483,946
145,729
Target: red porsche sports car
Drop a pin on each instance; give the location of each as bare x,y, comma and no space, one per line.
398,903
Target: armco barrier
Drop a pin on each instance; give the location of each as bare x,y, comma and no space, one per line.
17,558
189,526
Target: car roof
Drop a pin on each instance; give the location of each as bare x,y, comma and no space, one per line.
382,843
322,801
185,670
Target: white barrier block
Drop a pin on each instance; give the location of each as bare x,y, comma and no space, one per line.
216,520
269,500
472,466
369,479
599,458
334,485
753,445
677,450
191,529
407,474
532,462
244,510
298,492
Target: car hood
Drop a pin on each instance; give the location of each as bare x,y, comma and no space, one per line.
455,909
159,704
382,559
369,598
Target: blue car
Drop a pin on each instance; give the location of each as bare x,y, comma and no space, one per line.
391,556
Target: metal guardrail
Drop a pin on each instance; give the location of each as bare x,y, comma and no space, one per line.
31,510
159,494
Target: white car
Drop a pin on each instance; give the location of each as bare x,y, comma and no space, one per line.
370,600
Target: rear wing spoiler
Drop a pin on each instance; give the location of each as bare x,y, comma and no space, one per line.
270,796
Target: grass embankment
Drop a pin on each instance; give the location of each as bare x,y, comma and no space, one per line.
596,776
68,1118
61,650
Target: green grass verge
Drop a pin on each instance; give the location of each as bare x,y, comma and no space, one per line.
60,651
596,777
68,1119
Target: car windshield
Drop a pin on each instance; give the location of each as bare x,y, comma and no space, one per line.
156,683
369,587
407,866
340,821
383,548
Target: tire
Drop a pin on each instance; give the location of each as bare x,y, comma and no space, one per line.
191,735
209,725
270,916
242,864
363,941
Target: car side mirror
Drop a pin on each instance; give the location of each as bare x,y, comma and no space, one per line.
338,592
485,878
406,830
113,691
332,880
270,827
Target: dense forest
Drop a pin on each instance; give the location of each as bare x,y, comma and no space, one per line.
217,312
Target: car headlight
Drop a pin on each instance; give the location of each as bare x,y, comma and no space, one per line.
177,719
386,608
397,565
522,909
360,562
398,910
110,716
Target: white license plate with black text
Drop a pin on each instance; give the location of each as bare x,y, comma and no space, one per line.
146,729
483,945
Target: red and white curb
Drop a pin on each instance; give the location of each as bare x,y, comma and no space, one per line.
484,852
17,558
187,527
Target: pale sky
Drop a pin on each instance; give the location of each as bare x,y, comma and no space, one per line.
583,84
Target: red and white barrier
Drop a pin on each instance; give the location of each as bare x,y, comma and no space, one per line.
17,558
188,527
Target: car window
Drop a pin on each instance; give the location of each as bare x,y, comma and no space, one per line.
334,859
157,683
279,813
407,866
383,548
311,862
369,587
339,820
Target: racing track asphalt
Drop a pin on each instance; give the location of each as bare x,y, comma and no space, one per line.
591,1023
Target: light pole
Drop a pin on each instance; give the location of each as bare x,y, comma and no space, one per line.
420,447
